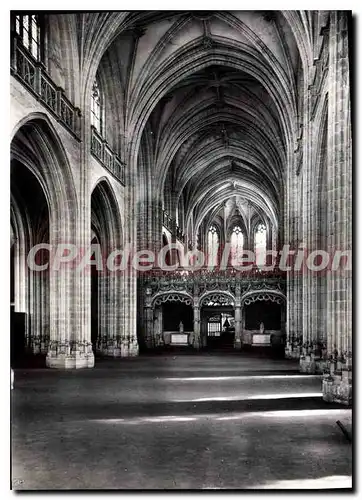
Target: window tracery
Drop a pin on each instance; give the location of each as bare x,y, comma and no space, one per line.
96,108
237,246
213,246
28,28
260,244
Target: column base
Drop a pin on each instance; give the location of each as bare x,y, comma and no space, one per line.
196,344
110,352
118,348
39,345
307,364
237,344
311,364
159,340
129,350
70,355
321,366
108,348
290,353
195,340
337,387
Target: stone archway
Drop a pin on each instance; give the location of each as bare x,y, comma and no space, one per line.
108,284
30,305
169,319
37,146
263,318
217,320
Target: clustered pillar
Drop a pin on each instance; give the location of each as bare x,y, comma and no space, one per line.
319,329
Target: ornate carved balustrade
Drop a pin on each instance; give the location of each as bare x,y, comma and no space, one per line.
32,74
102,151
229,286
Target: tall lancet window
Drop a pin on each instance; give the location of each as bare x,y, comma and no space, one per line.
237,244
260,244
28,28
96,108
213,246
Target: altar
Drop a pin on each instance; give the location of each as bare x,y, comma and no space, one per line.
260,339
257,339
176,338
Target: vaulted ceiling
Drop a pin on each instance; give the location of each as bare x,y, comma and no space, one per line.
211,99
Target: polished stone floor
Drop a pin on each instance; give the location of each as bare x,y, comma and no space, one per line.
177,421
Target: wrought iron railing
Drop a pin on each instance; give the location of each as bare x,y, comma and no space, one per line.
34,77
102,151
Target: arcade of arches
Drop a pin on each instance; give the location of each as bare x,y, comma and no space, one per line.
193,130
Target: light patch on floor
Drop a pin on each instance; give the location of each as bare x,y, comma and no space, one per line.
254,397
238,377
235,416
329,482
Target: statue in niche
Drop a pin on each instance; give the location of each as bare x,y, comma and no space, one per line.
181,327
261,328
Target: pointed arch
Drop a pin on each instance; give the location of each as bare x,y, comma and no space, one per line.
213,245
260,243
30,222
237,240
106,215
107,285
36,144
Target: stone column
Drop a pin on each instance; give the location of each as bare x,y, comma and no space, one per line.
110,313
307,363
129,340
292,231
149,237
68,347
149,334
203,331
337,384
174,253
197,339
40,336
313,132
36,326
237,341
70,289
23,289
103,327
69,306
158,326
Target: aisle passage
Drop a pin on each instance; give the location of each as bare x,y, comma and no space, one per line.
172,422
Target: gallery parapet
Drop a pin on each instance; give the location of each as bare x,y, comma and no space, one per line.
32,74
103,152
